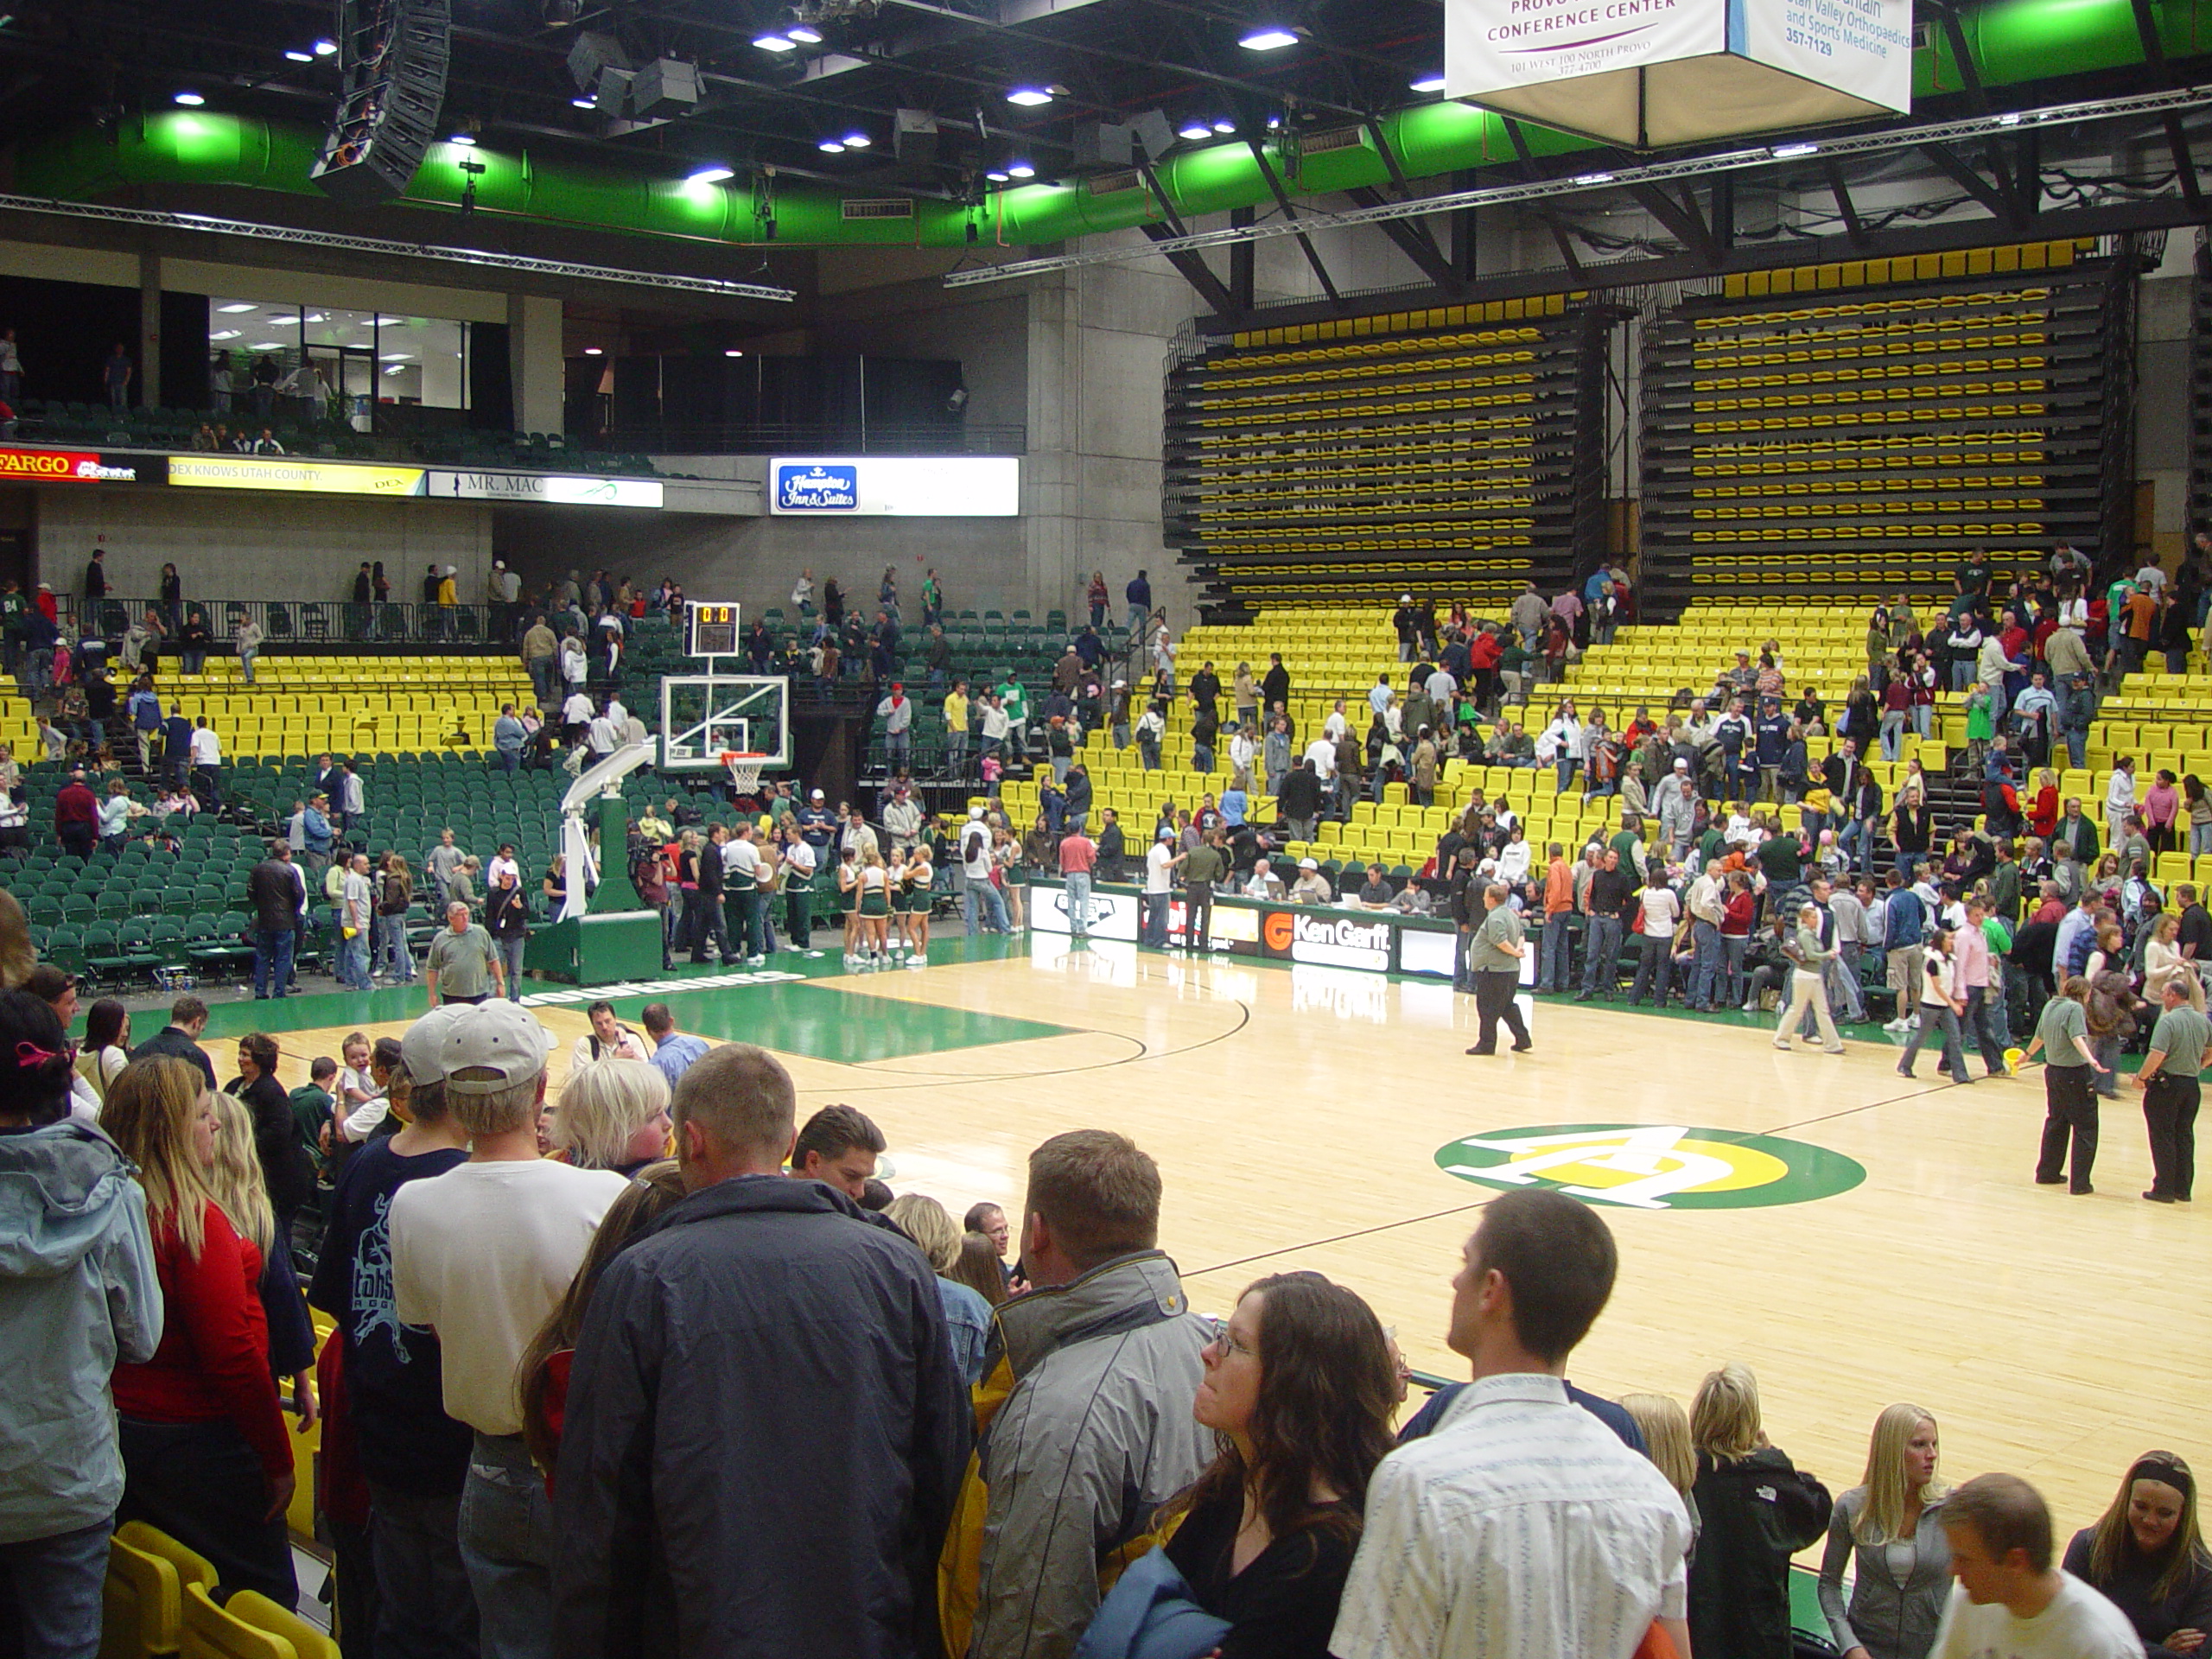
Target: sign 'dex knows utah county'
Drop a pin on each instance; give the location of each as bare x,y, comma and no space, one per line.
899,487
1647,75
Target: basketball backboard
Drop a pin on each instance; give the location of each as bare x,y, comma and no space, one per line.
706,717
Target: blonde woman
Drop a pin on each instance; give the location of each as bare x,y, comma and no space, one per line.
967,1312
849,902
2147,1557
206,1455
1006,871
1666,1428
234,1176
1757,1511
2162,962
921,879
1890,1526
875,889
613,1115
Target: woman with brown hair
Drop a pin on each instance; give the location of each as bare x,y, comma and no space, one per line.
205,1455
542,1377
979,1268
1299,1389
2147,1557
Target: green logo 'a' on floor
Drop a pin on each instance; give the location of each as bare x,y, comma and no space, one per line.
1653,1166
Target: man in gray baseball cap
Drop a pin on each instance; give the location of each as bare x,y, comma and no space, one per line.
481,1255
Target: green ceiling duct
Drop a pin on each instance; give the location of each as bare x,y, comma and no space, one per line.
2012,41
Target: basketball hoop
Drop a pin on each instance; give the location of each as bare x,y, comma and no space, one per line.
744,769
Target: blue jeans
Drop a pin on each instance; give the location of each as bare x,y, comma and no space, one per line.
272,960
1567,768
353,961
510,952
1155,919
1734,947
511,761
425,1608
1937,1017
1552,964
1601,954
992,902
391,956
1655,966
1705,975
1078,887
54,1585
505,1532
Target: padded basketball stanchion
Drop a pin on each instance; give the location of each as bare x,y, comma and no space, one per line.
612,936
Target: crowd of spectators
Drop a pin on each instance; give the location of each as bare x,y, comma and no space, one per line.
648,1366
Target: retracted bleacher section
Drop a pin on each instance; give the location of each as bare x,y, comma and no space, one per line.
1848,430
2200,393
1451,452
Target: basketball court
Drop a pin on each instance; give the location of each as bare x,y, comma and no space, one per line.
1855,1237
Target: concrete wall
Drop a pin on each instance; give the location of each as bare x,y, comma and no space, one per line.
257,546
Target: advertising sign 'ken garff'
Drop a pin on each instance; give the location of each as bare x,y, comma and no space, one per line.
1653,1166
1650,73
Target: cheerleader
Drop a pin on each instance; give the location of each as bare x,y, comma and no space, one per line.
921,877
875,908
849,902
895,895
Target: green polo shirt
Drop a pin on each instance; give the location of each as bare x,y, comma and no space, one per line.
2181,1035
462,961
2061,1021
1500,927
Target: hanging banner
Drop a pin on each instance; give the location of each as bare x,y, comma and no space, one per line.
287,473
1650,73
552,489
898,486
76,466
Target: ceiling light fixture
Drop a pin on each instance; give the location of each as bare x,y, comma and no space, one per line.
803,34
190,100
830,147
298,56
1791,152
237,306
593,350
857,141
996,176
1593,178
1029,97
324,48
775,43
1196,132
466,140
585,103
1270,39
1429,84
224,334
1224,128
732,351
1021,170
266,345
713,174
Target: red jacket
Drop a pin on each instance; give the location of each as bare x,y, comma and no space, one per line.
76,803
214,1360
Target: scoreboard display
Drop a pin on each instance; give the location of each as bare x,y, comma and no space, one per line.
711,630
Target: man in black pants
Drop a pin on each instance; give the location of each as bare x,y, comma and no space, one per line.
1494,958
1465,900
1203,865
707,900
2168,1080
2069,1094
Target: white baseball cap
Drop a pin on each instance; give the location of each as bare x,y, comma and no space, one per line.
501,1037
818,795
1309,864
422,1048
975,812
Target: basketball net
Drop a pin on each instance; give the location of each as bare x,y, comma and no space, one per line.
744,770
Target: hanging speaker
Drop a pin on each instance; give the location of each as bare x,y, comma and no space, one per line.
394,56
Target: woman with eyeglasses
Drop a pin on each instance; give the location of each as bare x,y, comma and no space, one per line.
2147,1557
1299,1389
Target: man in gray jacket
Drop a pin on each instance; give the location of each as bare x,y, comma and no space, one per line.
1097,1431
78,1294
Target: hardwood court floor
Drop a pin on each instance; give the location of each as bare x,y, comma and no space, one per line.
1297,1114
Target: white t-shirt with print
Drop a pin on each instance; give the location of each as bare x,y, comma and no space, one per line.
2079,1623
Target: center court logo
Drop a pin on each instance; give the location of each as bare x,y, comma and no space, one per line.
1654,1166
